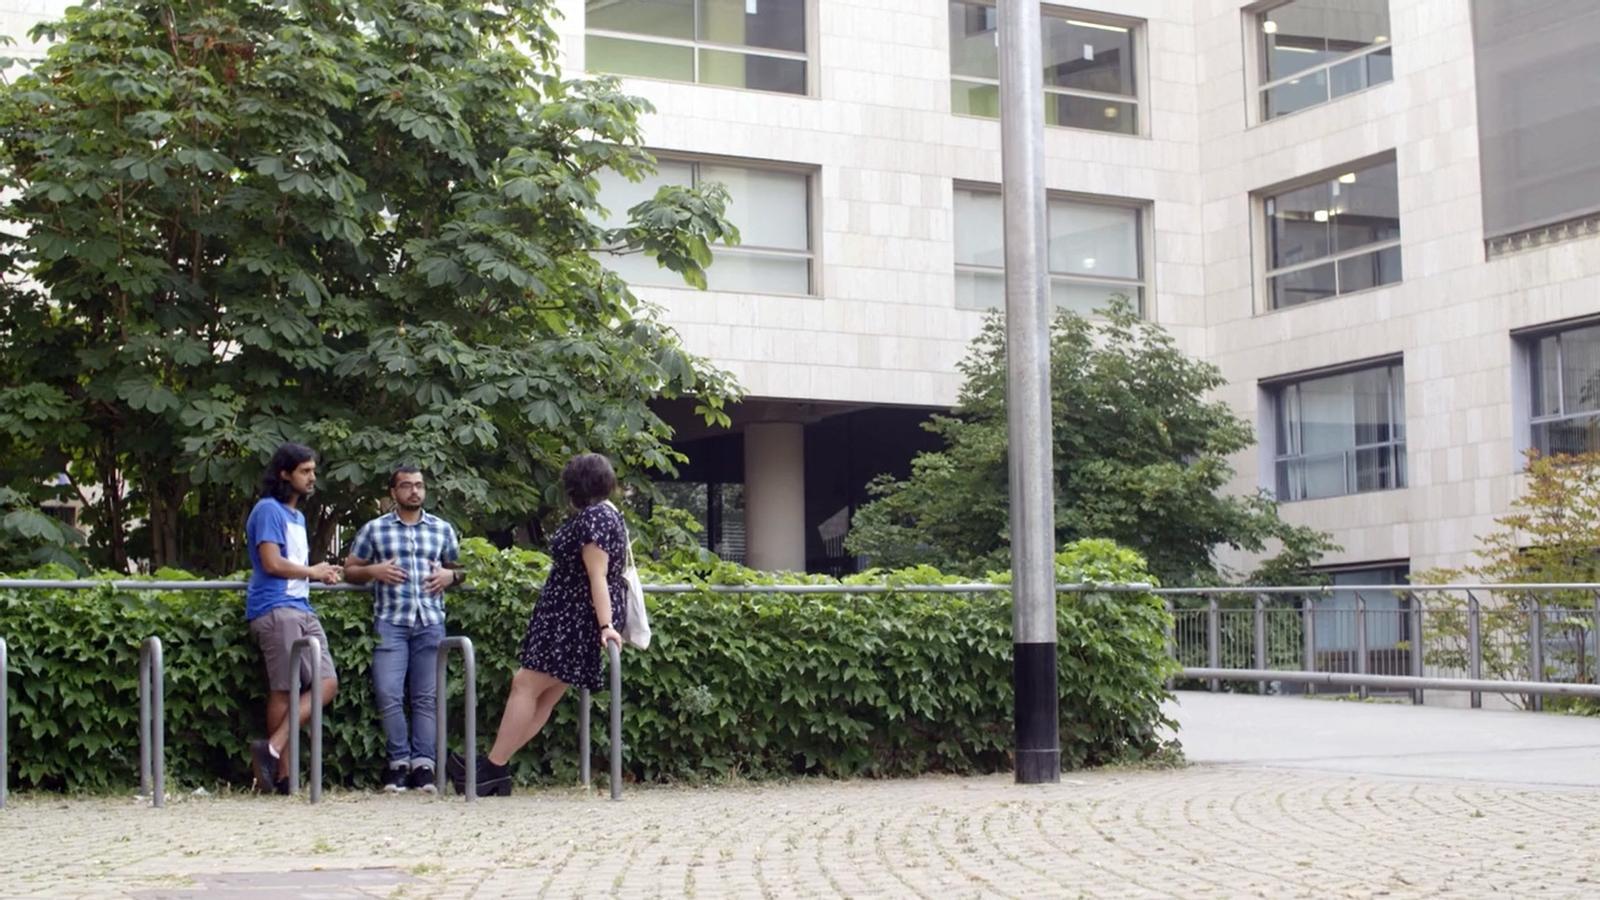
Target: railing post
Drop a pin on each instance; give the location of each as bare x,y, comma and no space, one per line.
469,707
1595,631
1416,645
1259,633
1172,635
1474,647
152,722
1308,612
1361,642
583,737
1536,650
1213,640
4,693
615,653
314,647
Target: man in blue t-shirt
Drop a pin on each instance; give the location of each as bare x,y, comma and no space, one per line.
277,603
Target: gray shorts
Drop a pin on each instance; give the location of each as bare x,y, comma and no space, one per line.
276,631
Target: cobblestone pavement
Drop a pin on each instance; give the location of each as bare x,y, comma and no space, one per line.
1201,831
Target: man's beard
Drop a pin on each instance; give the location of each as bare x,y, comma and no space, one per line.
409,507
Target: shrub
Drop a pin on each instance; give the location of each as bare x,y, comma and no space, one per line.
735,684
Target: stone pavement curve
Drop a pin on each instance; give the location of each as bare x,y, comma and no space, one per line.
1320,825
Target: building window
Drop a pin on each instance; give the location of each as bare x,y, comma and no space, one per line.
1313,51
771,206
1538,91
1094,251
1564,372
1088,68
1336,235
755,44
1340,434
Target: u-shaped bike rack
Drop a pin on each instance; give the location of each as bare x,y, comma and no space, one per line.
469,665
615,654
314,647
152,722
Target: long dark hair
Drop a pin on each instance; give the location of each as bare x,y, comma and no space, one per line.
286,458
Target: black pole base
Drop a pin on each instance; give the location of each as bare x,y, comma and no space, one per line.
1037,703
1038,767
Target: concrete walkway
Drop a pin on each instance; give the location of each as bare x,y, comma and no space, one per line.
1286,797
1389,739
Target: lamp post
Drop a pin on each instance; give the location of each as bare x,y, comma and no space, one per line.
1038,737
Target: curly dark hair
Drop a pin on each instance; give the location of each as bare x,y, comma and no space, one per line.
588,479
286,458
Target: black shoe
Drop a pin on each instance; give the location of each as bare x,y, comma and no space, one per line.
263,765
281,786
493,780
422,779
394,777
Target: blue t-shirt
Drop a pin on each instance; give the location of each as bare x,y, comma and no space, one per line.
278,523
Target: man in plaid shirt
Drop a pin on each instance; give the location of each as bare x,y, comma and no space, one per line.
412,555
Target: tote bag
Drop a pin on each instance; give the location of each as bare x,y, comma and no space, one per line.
636,626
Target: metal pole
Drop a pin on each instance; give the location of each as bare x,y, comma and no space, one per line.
1361,640
152,722
1038,735
1213,639
1309,613
616,720
1536,650
583,737
144,720
4,692
1595,632
1172,635
1474,647
469,705
314,647
1416,647
1260,635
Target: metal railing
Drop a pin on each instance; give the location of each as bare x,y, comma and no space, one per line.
152,722
614,655
314,647
469,710
1532,640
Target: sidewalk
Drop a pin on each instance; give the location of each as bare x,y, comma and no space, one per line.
1261,815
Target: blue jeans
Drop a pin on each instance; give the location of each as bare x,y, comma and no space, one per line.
407,653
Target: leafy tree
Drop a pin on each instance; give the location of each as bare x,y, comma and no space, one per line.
1140,457
1551,535
370,226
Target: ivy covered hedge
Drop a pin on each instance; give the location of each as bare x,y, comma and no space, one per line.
735,684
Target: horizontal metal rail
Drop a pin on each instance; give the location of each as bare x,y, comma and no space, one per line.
979,587
1396,682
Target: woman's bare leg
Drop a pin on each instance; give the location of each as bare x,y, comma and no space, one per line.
533,697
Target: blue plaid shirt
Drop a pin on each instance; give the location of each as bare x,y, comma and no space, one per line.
416,547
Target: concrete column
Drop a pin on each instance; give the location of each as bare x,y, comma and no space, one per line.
775,496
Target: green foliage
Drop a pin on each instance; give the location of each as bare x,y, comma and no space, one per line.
368,226
1141,457
1550,536
734,684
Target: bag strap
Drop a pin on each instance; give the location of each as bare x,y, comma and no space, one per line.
627,538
